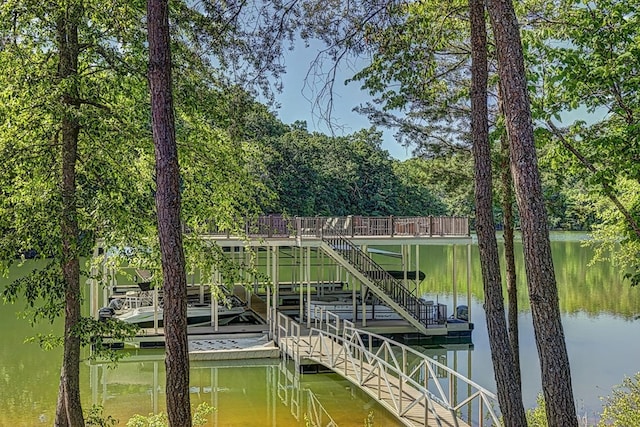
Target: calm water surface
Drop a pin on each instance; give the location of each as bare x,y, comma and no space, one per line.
599,312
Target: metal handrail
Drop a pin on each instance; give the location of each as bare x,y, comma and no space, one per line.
396,367
326,320
425,313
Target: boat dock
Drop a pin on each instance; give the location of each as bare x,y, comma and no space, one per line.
330,266
314,261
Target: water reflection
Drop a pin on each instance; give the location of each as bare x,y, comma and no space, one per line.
583,286
598,311
244,393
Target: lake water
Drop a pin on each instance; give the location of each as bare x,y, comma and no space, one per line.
600,314
599,318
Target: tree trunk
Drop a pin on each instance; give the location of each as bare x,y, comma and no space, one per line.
509,394
168,207
69,408
509,257
543,293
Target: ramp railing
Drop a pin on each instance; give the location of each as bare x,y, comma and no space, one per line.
407,380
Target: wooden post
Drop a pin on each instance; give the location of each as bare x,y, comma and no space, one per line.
455,284
275,264
418,281
93,289
155,310
255,280
268,262
354,296
308,267
109,278
404,251
363,289
320,281
301,283
469,282
247,288
351,226
214,307
270,319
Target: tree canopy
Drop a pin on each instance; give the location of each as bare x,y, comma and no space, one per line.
583,68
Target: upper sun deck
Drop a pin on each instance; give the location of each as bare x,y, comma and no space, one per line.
389,230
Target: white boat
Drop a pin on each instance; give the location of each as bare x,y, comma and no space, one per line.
143,316
343,308
197,315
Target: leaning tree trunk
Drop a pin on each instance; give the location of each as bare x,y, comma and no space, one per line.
69,408
168,207
543,292
510,258
509,394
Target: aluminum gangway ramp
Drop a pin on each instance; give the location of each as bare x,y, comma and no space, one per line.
418,390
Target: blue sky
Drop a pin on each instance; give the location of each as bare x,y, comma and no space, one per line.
297,101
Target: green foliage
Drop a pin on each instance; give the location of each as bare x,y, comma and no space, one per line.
583,56
613,239
314,174
160,420
95,418
369,422
151,420
567,192
46,341
417,193
537,417
420,66
447,179
115,181
622,408
201,413
43,291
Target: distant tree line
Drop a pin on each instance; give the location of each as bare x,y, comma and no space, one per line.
315,174
310,173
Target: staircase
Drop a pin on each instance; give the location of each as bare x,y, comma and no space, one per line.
387,288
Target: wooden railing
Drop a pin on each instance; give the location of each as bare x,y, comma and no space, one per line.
353,226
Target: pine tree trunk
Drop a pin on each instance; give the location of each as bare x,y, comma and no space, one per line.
510,258
168,208
543,293
509,394
69,408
